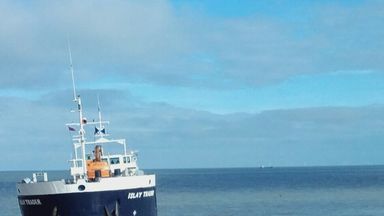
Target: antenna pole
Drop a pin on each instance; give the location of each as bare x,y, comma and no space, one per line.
71,68
99,110
101,128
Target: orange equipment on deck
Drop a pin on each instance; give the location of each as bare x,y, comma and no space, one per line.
97,167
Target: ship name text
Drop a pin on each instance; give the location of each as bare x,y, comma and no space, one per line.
30,202
138,195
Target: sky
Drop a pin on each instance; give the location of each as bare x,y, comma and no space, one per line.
196,84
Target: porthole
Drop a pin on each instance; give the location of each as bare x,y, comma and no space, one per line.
81,187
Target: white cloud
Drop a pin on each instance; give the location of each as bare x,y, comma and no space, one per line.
35,131
154,42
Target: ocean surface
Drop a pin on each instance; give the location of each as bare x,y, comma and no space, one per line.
318,191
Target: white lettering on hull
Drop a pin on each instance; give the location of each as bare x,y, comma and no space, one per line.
139,195
30,202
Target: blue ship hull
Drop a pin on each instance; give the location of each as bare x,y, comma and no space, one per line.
139,201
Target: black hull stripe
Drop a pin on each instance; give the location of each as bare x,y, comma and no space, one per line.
141,201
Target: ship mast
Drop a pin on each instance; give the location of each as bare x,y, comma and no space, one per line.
82,134
82,121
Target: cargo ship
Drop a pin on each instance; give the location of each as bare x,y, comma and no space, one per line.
104,178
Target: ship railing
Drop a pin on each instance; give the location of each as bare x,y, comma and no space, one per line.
102,140
41,175
36,177
76,162
76,168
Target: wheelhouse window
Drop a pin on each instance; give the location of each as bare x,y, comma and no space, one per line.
127,159
115,160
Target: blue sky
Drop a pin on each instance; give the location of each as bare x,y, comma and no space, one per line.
197,83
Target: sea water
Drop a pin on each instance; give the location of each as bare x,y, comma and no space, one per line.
318,191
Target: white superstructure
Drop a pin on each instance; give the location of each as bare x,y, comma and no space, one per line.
92,170
104,176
